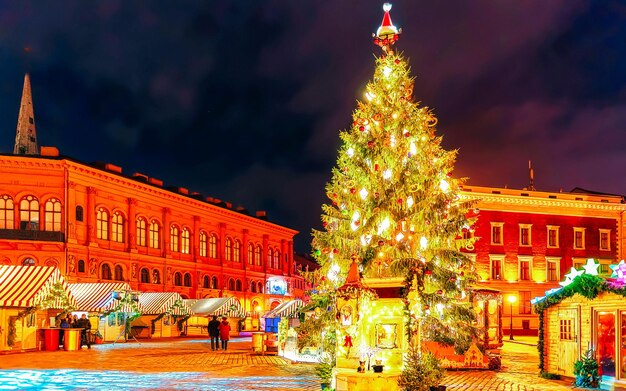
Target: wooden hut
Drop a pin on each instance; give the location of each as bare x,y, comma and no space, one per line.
26,294
161,313
287,309
203,309
587,313
104,303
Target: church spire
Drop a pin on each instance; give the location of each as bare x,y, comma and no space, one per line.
26,134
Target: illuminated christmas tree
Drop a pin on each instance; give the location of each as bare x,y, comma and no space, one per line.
395,206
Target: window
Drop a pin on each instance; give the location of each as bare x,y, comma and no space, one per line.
52,216
552,267
156,277
524,269
81,266
565,330
145,275
155,233
237,251
79,213
6,213
178,279
206,282
117,227
213,246
184,241
28,262
105,272
524,234
102,224
119,274
214,282
187,279
260,287
605,241
231,284
203,242
524,303
141,232
604,270
496,233
238,286
253,287
276,259
250,254
29,213
229,249
174,247
270,257
496,268
257,255
579,238
553,236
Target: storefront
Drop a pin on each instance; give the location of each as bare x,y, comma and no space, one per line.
162,311
203,309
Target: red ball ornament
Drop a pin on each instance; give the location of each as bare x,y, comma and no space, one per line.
407,134
334,203
381,243
334,195
452,279
439,292
375,167
353,190
357,223
449,175
428,272
362,128
397,61
370,144
324,224
335,251
427,222
399,200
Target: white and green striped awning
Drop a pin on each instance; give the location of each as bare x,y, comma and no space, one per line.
221,306
288,309
156,303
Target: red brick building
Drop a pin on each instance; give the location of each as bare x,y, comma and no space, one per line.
528,241
97,224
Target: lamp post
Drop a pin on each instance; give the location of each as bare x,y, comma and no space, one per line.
258,314
512,299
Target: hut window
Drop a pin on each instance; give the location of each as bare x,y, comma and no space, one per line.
111,319
565,330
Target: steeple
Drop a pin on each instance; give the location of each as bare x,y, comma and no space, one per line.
26,134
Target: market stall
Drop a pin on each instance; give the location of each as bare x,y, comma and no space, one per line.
203,309
287,309
162,316
27,293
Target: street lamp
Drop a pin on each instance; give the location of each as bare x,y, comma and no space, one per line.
512,299
258,314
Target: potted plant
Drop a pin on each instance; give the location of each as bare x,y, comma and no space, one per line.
324,370
586,371
421,372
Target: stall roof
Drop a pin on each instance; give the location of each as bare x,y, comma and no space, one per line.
28,286
98,296
221,306
155,303
285,310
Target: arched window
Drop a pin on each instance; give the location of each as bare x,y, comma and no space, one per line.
214,282
102,224
7,213
81,266
174,239
79,213
145,275
187,279
52,215
213,246
253,287
206,282
117,227
178,279
29,213
238,286
270,257
105,272
155,234
228,253
119,273
277,259
257,256
231,284
156,276
237,251
250,254
260,287
203,243
28,262
141,232
184,241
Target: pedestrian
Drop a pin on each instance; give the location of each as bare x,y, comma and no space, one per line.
85,324
64,325
224,332
214,333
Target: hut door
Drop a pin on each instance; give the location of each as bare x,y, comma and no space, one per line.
568,340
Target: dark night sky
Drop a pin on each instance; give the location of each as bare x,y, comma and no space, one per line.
243,100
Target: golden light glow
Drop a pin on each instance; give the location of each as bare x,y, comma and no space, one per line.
511,299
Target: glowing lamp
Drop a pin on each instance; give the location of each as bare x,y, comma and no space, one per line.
511,299
444,185
257,308
423,242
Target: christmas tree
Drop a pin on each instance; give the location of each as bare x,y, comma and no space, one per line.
395,205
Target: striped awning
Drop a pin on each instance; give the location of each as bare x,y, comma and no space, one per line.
287,309
28,286
221,306
156,303
99,296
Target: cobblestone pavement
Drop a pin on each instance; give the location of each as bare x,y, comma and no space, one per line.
186,364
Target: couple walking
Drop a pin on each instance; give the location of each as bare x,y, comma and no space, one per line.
219,331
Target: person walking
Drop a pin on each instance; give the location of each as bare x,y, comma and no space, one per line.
214,333
224,332
85,324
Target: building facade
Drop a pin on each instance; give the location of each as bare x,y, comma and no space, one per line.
527,241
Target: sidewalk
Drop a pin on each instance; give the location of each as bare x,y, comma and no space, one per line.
522,339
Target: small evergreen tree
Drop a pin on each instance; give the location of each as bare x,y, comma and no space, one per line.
421,371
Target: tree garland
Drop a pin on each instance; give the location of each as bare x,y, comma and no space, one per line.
178,304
